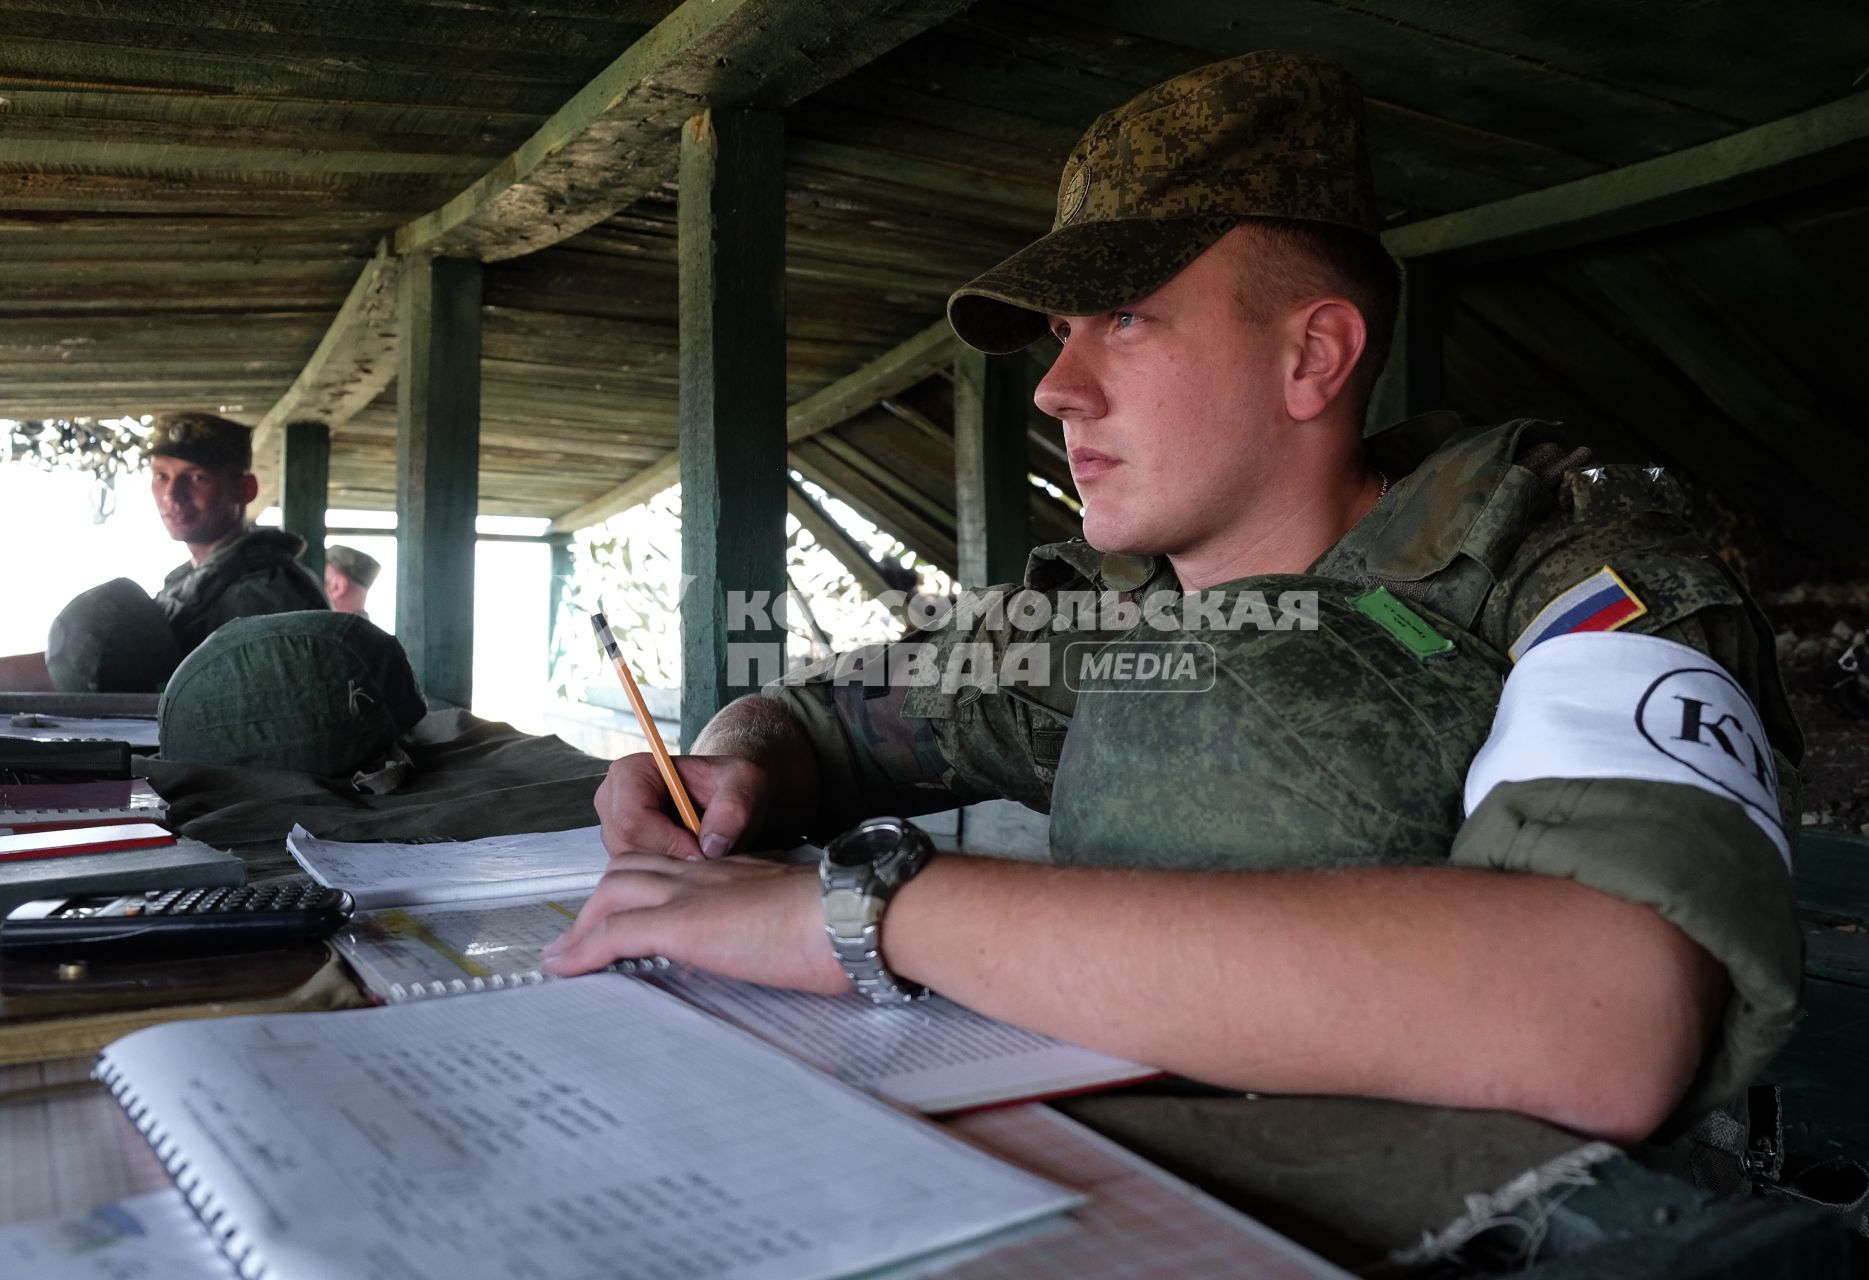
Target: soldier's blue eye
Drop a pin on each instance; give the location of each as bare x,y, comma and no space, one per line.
1124,319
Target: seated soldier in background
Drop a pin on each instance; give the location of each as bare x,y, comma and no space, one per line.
201,474
348,576
1280,885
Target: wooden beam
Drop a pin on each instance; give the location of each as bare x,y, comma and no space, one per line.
875,503
1815,146
835,539
992,497
307,484
350,367
732,457
437,473
612,143
891,373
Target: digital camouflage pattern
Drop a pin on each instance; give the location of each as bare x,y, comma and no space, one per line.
256,574
1480,529
1314,748
204,439
111,639
1152,184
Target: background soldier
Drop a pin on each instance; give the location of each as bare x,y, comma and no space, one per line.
348,576
202,479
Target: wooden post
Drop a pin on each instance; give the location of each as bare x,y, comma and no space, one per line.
1414,379
438,472
731,224
992,495
555,639
306,488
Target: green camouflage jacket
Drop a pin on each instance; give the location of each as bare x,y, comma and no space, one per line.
1352,751
256,574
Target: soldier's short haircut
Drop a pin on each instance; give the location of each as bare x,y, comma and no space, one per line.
1301,261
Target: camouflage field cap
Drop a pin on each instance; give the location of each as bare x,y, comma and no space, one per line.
312,691
203,439
111,639
1152,184
353,564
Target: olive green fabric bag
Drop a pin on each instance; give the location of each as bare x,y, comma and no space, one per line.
111,639
312,691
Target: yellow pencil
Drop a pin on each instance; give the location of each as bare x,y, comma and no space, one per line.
670,778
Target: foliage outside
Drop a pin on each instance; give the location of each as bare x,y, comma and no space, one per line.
630,567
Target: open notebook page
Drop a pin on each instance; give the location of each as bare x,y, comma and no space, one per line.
934,1056
389,874
593,1127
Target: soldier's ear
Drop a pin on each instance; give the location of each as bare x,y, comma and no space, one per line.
249,488
1332,341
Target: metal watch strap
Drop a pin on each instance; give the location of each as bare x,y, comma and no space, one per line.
880,856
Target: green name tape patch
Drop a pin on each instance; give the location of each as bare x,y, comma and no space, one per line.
1403,623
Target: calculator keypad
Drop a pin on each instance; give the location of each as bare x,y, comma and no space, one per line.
266,898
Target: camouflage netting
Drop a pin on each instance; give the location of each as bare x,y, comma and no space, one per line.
106,448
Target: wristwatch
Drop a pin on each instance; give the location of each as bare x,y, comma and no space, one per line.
861,870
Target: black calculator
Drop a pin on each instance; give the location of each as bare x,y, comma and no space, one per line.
174,920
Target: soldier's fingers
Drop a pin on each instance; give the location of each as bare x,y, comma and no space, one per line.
615,937
619,892
736,796
630,811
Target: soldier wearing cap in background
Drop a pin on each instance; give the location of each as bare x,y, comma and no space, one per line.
1353,867
111,638
348,576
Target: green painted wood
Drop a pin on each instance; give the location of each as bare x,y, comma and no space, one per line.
896,369
351,365
1704,57
610,142
1557,348
437,480
307,469
1454,77
992,497
1833,873
875,504
1413,380
1804,150
732,458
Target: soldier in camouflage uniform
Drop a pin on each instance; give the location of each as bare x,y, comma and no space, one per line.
201,477
201,474
1308,877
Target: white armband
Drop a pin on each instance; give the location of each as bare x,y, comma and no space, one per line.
1620,705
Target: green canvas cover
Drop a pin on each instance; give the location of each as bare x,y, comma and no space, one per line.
313,691
111,639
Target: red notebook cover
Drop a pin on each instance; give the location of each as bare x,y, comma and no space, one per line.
53,844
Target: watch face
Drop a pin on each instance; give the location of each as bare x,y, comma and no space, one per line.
865,844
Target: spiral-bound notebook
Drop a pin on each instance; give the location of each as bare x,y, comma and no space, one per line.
935,1056
592,1127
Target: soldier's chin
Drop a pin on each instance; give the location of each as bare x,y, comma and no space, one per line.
1113,537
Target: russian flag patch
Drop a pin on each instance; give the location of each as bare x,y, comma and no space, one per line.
1601,602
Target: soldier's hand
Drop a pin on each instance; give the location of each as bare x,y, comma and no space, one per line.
638,815
740,917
